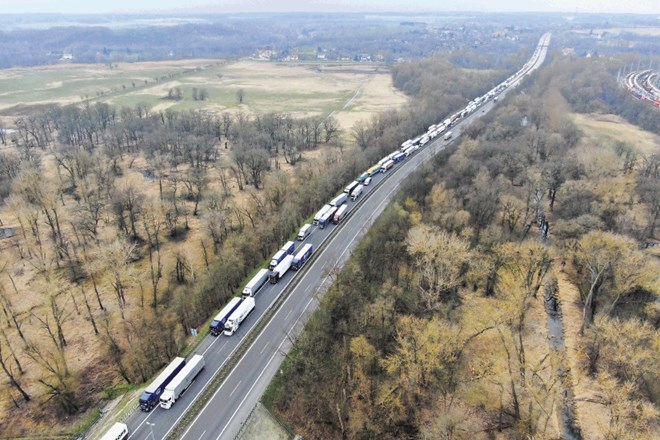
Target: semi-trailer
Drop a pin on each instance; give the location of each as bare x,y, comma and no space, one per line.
387,165
339,215
302,256
239,315
319,214
152,393
327,217
351,186
218,324
278,272
339,200
373,170
256,282
182,381
399,157
118,431
356,192
304,232
277,258
289,247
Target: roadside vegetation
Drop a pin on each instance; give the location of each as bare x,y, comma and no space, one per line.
443,325
126,227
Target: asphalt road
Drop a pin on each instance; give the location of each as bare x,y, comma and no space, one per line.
231,404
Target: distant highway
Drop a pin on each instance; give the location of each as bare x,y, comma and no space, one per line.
231,404
641,84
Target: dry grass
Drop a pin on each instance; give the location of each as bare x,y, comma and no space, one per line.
604,129
267,86
352,92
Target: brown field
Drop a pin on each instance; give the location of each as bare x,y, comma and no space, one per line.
599,129
350,93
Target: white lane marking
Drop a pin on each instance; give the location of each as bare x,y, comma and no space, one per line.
287,315
203,388
265,347
200,437
359,230
235,388
422,159
263,370
143,421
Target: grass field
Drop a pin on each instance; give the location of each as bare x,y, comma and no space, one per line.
607,128
352,92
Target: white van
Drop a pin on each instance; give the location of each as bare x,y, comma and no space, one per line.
304,232
119,431
448,135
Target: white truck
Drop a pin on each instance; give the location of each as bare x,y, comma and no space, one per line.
182,381
119,431
351,186
339,200
448,135
278,272
356,192
319,214
242,312
218,324
256,282
304,232
339,215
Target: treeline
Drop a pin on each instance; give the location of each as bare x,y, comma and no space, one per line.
336,36
438,325
130,229
133,226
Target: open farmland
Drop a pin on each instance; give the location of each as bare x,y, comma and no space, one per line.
353,92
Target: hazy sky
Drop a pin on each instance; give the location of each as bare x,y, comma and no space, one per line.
104,6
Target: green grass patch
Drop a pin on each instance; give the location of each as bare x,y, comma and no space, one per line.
114,391
91,418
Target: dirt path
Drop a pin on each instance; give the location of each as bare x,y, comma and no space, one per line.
590,416
568,420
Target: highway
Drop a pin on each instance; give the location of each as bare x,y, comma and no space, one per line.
641,84
230,405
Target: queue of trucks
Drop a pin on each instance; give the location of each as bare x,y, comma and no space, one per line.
238,316
177,376
181,381
151,394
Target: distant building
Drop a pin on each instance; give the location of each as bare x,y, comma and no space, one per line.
266,54
66,57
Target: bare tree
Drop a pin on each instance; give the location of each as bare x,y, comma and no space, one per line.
13,379
331,129
153,222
